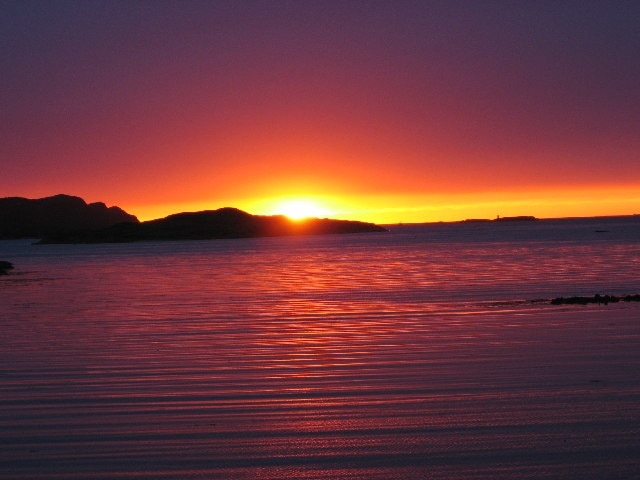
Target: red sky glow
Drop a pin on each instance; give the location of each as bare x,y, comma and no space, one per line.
381,111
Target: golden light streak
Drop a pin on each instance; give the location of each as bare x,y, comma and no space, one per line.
414,208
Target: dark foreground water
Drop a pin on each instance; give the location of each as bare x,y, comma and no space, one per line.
424,353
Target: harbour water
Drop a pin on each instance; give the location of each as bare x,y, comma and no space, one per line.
429,352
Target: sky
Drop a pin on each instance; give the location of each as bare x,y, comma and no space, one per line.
383,111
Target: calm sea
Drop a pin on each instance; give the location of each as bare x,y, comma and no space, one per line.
423,353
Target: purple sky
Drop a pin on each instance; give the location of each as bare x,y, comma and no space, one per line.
155,102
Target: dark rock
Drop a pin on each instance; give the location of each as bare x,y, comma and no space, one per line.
5,267
597,298
36,218
212,224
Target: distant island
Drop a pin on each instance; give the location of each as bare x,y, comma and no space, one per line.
66,219
519,218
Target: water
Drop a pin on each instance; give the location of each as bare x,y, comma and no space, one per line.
424,353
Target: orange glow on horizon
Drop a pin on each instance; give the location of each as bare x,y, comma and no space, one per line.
300,208
368,119
415,208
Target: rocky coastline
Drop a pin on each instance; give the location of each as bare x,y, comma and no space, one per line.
36,218
69,219
211,224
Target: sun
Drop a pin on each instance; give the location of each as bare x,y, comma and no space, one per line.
300,208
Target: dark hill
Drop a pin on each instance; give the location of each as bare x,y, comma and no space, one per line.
212,224
37,218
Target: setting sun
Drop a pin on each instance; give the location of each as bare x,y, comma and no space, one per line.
299,208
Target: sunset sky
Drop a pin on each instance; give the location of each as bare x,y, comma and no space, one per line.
384,111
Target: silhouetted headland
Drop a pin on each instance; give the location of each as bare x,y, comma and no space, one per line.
38,218
69,219
211,224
